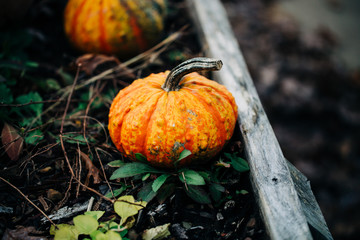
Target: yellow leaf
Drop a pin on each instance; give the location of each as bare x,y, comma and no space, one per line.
126,206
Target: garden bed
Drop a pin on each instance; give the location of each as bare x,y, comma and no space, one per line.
59,112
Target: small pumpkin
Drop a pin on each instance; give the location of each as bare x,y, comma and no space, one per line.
122,27
163,114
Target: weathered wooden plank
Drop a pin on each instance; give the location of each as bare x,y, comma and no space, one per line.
309,205
278,200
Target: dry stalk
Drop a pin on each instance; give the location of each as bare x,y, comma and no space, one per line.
27,199
103,170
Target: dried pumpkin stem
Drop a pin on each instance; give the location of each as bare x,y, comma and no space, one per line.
192,65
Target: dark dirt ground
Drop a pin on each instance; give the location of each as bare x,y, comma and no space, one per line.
312,102
36,53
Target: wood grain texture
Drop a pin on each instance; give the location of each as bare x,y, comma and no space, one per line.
309,205
277,198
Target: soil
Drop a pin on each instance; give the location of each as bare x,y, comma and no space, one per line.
38,68
310,98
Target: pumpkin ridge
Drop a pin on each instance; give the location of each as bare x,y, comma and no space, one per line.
138,34
216,116
102,36
228,98
225,98
150,122
75,20
187,145
116,109
133,141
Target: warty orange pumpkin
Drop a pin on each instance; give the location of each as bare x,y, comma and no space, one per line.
122,27
163,114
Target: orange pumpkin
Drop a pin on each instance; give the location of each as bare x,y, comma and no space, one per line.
122,27
163,114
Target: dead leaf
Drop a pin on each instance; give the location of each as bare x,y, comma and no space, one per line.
45,169
12,142
92,169
22,233
157,233
43,203
54,195
89,62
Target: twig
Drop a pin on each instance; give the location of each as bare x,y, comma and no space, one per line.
103,170
137,58
27,199
63,120
90,205
186,186
80,169
35,102
69,98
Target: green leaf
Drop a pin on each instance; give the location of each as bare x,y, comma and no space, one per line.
238,163
116,163
132,169
146,176
85,224
34,136
191,177
126,206
95,214
123,233
112,235
184,154
140,157
146,193
5,94
205,175
159,181
116,192
165,191
243,192
31,64
198,194
68,79
98,235
215,191
64,232
74,139
52,84
31,97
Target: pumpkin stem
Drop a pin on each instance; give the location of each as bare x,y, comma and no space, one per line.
192,65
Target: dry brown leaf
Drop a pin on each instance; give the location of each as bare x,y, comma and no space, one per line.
92,169
43,203
45,169
54,195
12,142
89,62
22,233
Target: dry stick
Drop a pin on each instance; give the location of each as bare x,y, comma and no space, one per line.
66,195
139,57
27,199
33,102
103,170
62,141
63,120
87,111
143,55
80,170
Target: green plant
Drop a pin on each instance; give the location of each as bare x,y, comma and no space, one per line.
197,183
89,226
